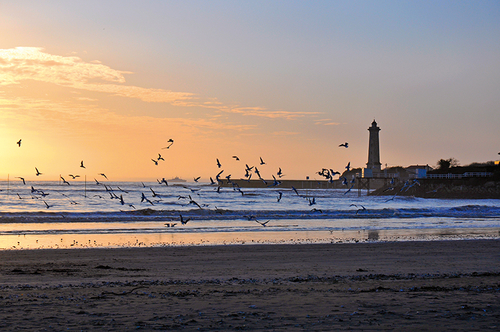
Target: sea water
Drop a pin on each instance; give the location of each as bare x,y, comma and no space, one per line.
135,214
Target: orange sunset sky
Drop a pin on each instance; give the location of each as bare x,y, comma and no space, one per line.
110,82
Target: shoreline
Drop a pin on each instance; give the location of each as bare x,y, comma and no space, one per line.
170,239
436,285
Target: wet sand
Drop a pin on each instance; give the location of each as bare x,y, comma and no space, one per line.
434,285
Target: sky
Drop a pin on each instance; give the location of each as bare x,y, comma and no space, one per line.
109,83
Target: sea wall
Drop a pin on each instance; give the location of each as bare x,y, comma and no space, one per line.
467,188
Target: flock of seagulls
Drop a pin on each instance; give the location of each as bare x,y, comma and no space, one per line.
219,181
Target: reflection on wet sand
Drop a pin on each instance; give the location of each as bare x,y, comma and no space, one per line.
116,240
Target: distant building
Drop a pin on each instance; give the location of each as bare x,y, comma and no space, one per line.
418,171
373,165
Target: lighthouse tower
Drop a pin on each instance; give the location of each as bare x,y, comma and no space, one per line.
373,149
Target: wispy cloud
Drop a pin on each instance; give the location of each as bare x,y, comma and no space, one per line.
32,63
263,112
327,122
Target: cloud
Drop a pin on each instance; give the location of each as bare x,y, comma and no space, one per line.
263,112
327,122
285,133
30,63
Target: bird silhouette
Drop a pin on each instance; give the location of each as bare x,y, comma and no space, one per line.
197,178
262,161
74,176
155,161
184,221
81,164
171,141
19,142
160,157
104,175
64,181
236,157
219,164
37,172
345,145
262,223
22,179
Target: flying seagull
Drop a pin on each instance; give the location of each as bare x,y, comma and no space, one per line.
81,164
262,223
37,172
261,161
19,143
184,221
218,163
64,181
345,145
22,179
236,157
104,175
171,141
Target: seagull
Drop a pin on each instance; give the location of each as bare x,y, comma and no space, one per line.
154,194
74,176
47,205
348,167
262,223
160,157
171,141
279,174
348,190
22,179
184,221
81,164
192,201
362,208
164,181
97,182
104,175
257,172
218,163
64,181
236,157
261,161
217,177
345,145
196,179
144,198
293,188
155,161
37,172
280,196
19,143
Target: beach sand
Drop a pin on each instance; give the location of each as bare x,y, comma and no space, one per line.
434,286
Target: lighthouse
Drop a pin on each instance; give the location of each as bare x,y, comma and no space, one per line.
373,149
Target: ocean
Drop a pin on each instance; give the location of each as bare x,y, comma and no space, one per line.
42,215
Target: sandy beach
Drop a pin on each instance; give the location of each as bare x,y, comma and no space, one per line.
435,285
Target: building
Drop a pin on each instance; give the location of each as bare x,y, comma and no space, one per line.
373,166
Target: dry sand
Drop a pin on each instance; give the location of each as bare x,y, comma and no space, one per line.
433,286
